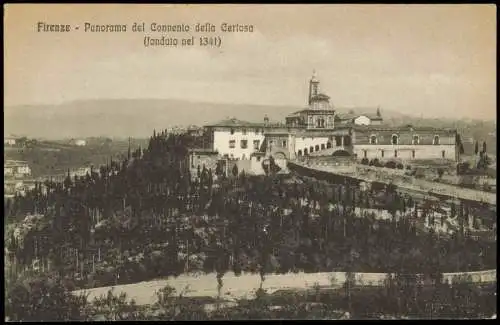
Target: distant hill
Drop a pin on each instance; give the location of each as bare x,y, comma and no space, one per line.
123,118
138,117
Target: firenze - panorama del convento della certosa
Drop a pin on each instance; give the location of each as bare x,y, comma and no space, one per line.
331,214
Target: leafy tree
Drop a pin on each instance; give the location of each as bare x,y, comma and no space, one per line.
484,161
165,302
349,283
115,307
235,170
43,299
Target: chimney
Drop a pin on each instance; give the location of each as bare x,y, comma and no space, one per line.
266,120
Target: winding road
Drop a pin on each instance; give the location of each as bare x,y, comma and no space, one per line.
245,285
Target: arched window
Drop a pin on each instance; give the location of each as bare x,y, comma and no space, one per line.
322,146
320,122
316,148
382,153
413,153
311,149
443,154
305,152
338,141
232,131
328,145
299,153
415,139
347,140
373,139
436,140
394,139
365,153
395,153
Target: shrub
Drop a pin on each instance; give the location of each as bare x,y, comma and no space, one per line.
400,166
390,164
463,168
364,161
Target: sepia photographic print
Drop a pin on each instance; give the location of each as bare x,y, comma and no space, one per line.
249,162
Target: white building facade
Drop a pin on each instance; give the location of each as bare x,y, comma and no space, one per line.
236,139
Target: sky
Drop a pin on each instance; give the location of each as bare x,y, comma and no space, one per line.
434,60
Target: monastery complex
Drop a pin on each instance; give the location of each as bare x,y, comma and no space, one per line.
319,130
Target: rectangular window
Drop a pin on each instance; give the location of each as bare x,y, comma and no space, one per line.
283,143
232,144
395,153
244,131
256,144
244,144
382,153
338,141
365,153
442,153
413,153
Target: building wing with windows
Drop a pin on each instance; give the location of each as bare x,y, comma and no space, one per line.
16,168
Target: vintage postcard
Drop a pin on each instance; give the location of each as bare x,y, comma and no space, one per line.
225,162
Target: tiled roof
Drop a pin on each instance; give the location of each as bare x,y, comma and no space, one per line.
345,116
371,116
350,116
235,122
399,128
320,96
310,110
15,162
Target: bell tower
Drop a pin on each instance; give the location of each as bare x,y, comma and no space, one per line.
313,87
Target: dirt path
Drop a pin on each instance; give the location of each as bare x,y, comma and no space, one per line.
245,285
